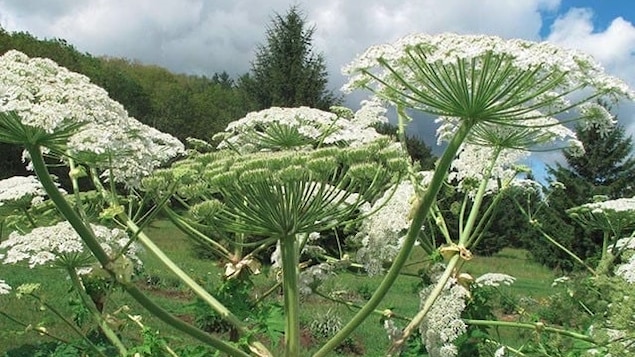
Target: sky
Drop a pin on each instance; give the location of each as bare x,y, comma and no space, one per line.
204,37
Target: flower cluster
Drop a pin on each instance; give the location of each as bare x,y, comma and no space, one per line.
473,166
598,118
609,215
303,127
45,245
446,49
609,206
381,233
21,190
508,92
494,279
77,118
129,151
443,324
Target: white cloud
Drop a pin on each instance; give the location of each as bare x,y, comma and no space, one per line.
208,36
613,47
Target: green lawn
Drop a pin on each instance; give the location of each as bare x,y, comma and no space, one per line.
403,299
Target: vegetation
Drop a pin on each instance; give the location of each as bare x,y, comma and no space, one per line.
304,207
287,72
606,169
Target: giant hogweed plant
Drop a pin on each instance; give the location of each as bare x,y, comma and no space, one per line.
494,98
600,300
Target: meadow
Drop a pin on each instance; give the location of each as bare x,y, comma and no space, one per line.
17,340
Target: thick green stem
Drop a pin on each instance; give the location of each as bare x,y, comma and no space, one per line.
465,234
420,215
99,319
539,327
93,245
290,272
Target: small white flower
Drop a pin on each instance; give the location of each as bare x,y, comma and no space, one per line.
500,352
494,279
254,131
627,270
380,234
51,98
4,287
560,280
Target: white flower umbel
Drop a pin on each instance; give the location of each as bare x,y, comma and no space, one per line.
132,150
381,233
494,279
599,118
279,128
44,245
610,216
20,188
443,324
473,165
486,82
44,104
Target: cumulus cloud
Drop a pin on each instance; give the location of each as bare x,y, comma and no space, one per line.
208,36
613,47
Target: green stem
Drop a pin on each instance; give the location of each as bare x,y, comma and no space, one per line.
90,305
27,326
70,324
395,349
290,272
605,244
196,288
564,249
478,200
255,346
357,306
553,241
75,184
465,233
93,245
421,213
28,217
539,327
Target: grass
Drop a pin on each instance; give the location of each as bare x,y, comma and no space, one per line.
403,299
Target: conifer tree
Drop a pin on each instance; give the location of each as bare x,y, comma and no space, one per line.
607,168
287,72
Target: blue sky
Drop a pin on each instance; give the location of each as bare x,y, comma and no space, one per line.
208,36
604,11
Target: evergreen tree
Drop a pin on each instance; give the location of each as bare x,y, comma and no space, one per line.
418,150
607,168
287,72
